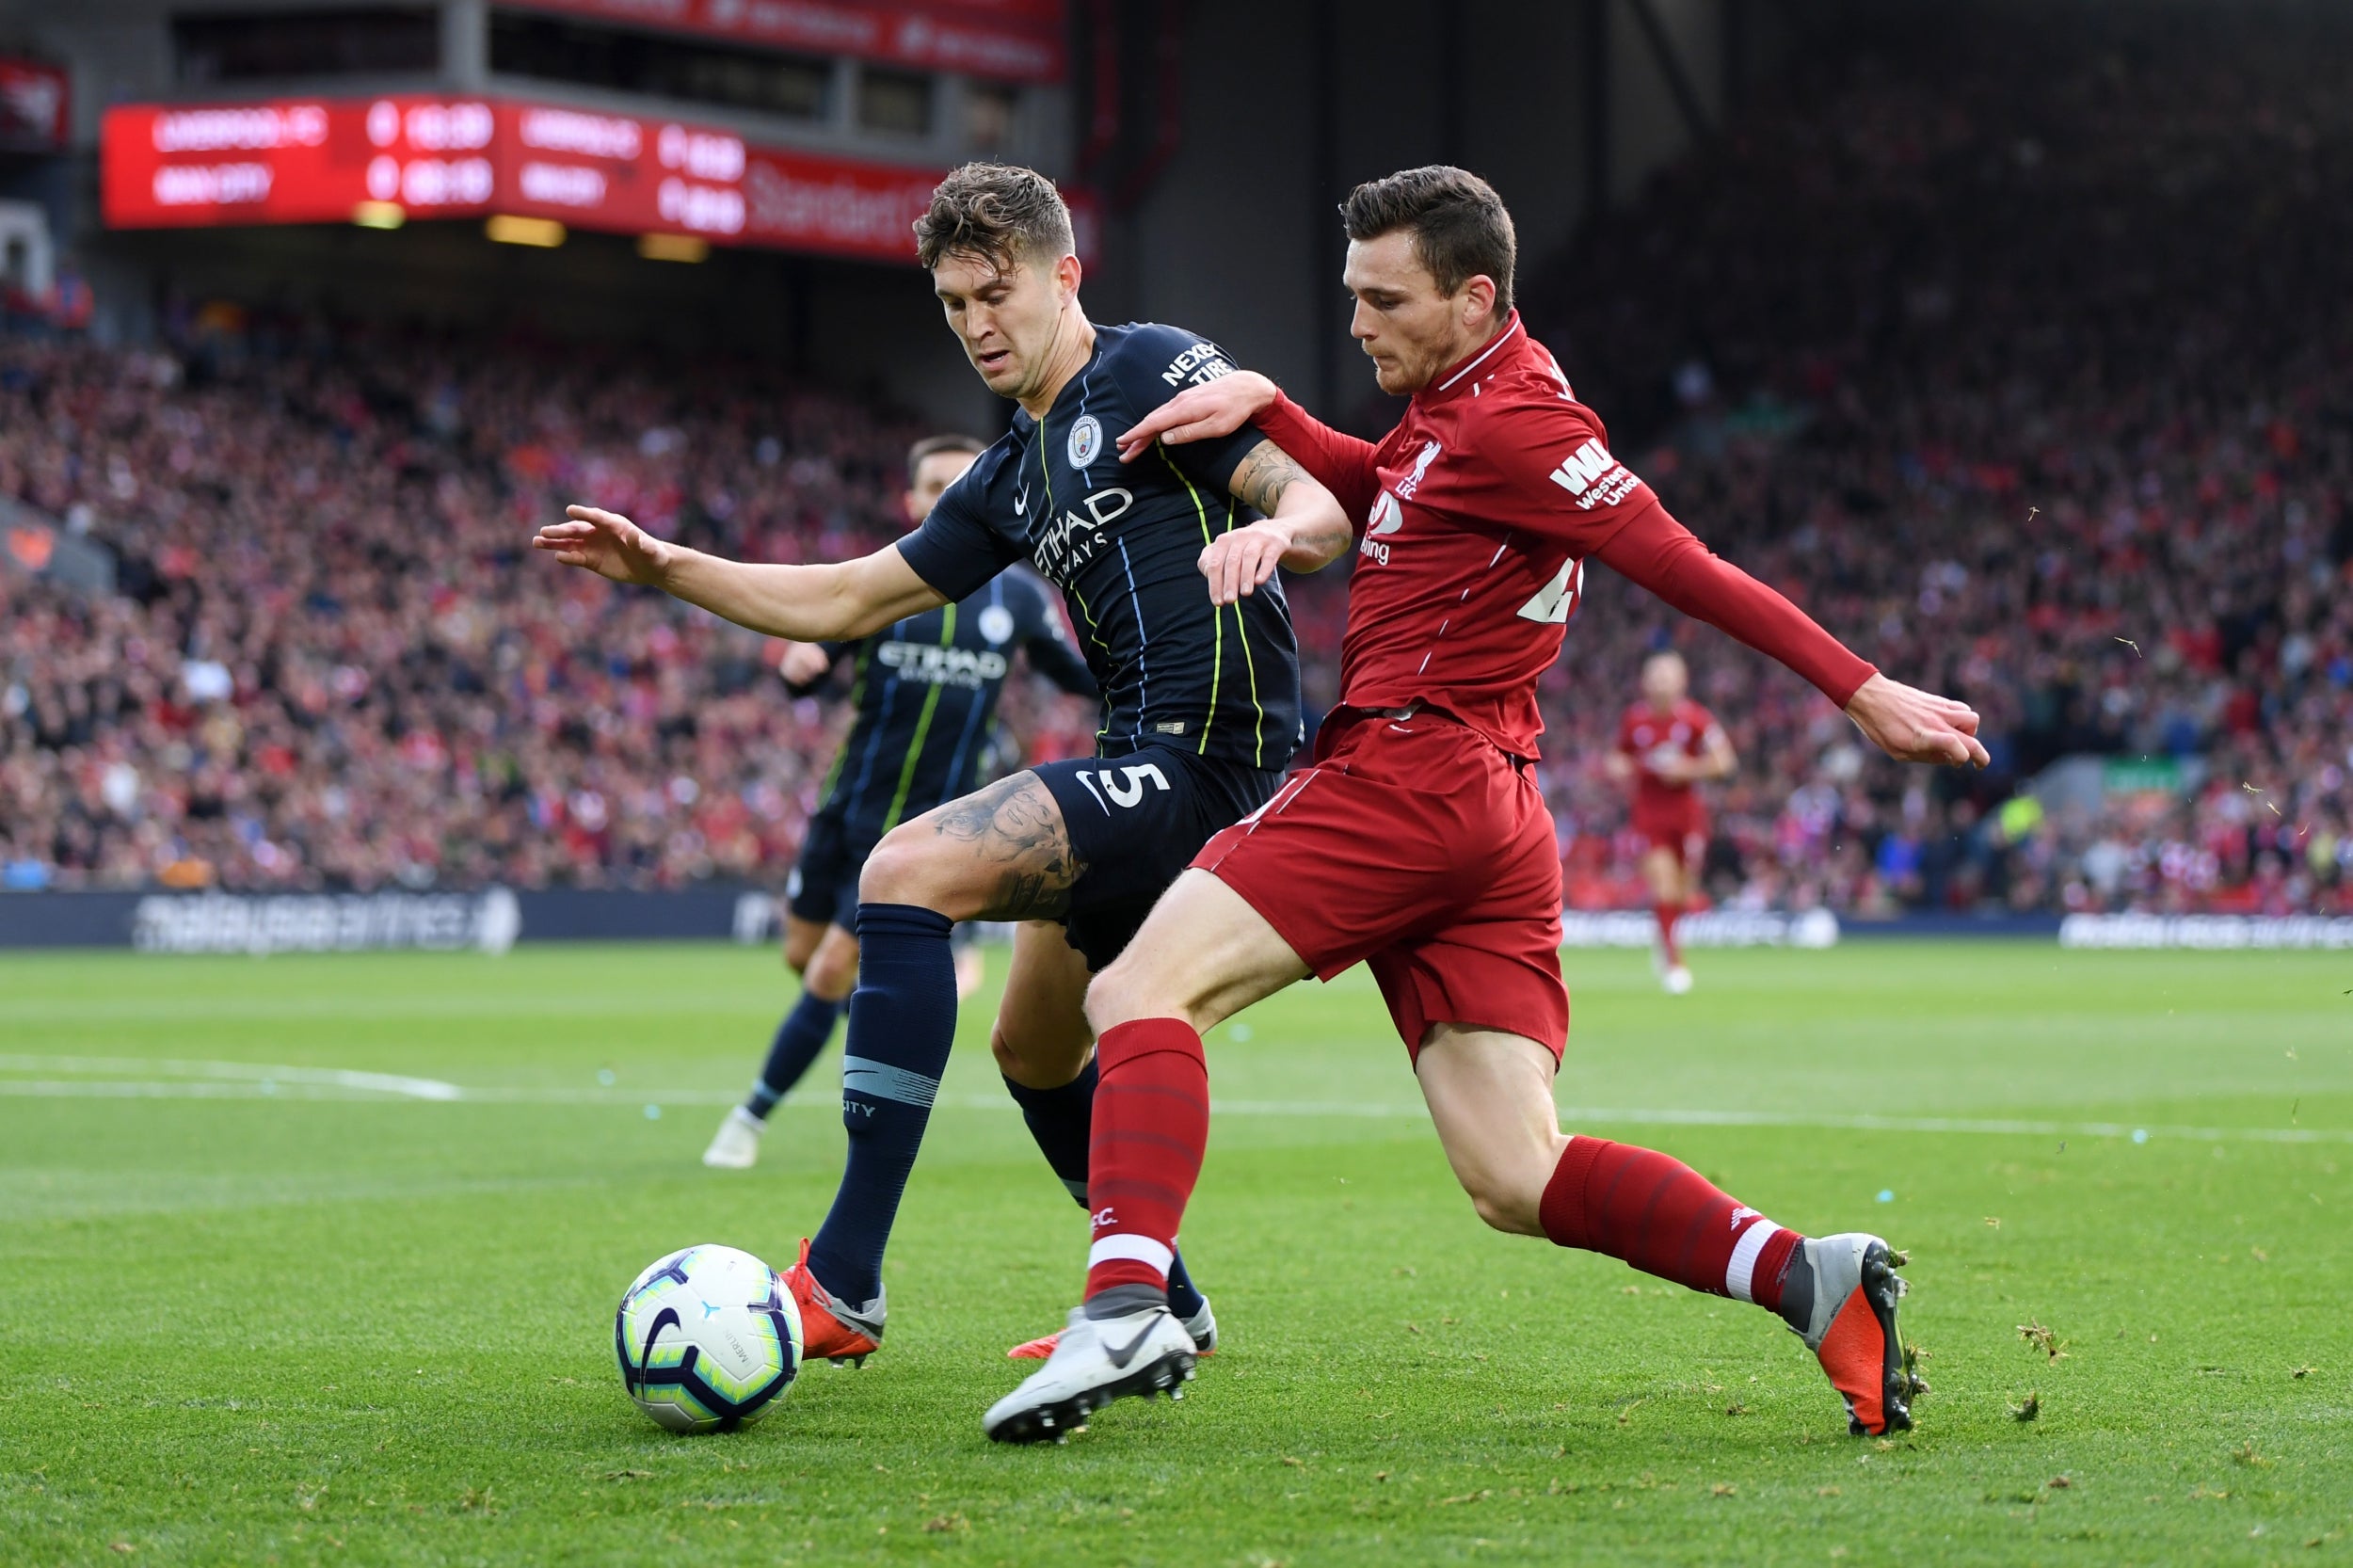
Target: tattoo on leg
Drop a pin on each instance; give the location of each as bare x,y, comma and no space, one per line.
1015,828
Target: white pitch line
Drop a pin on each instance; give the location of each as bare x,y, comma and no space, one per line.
256,1072
249,1080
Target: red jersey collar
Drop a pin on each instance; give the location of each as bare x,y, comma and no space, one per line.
1455,381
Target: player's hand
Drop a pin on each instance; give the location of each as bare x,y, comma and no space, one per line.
1200,413
1913,725
804,664
1238,563
607,544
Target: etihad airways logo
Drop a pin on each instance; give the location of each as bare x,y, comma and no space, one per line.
1594,477
934,666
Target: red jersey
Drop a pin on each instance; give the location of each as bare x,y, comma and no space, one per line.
1474,516
1646,735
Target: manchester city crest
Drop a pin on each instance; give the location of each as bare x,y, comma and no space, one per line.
1087,439
996,623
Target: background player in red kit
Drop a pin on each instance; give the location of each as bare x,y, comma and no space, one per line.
1666,745
1418,841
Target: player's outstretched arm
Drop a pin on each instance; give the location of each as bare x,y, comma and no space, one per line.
807,604
1654,551
1303,530
1341,464
1913,725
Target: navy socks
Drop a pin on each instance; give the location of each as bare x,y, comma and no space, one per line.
903,1021
799,1038
1062,1120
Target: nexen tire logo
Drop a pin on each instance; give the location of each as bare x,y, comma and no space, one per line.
942,666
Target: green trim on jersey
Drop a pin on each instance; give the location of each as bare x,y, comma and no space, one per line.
922,727
842,755
1217,616
1249,661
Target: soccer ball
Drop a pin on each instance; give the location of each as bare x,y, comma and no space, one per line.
707,1340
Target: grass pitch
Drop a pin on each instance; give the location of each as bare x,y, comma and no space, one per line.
255,1308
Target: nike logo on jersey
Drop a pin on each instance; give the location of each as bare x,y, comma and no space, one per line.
1020,503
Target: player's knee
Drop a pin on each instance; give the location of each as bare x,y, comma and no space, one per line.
1503,1206
1115,996
903,869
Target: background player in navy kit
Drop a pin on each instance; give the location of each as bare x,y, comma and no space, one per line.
925,693
1201,700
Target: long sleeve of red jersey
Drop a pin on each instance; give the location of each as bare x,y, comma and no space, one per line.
1341,463
1654,552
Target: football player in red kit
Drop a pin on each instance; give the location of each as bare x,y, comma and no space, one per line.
1666,743
1418,841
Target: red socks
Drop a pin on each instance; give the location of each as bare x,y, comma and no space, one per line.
1667,914
1151,1124
1665,1219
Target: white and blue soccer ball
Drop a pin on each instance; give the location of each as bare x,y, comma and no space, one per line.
708,1339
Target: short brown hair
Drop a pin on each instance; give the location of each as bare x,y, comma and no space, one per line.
931,446
1460,227
1000,212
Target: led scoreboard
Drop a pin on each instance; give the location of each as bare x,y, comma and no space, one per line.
327,160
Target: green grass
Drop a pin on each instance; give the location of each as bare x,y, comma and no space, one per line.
270,1325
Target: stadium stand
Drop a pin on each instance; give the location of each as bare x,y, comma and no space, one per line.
1892,342
1898,345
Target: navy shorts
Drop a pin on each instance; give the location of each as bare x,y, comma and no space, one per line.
824,886
1136,821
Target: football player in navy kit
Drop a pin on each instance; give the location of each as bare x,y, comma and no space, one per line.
1200,701
925,693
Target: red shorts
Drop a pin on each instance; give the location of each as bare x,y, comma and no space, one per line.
1416,847
1677,824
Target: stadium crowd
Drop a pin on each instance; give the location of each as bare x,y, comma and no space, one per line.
2026,361
2035,383
333,663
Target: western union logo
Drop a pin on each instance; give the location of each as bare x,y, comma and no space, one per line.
1585,465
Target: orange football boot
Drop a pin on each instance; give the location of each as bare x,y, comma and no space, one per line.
829,1327
1840,1294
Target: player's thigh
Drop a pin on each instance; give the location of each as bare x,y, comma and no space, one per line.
1002,853
801,938
1490,1096
1042,1040
1203,954
832,969
1662,871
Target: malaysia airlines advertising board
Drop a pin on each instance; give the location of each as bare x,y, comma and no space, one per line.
326,160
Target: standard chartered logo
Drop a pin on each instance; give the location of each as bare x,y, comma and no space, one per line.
942,666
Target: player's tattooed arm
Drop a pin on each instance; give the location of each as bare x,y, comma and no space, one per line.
1023,861
1265,474
1304,529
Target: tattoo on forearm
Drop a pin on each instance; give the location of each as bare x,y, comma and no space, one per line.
1017,831
1264,476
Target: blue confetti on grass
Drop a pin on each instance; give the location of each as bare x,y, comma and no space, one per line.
606,1076
2141,1135
653,1112
1887,1194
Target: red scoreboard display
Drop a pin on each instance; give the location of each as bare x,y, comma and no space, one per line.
327,160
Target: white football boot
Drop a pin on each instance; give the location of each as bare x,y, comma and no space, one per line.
1202,1325
736,1145
1095,1362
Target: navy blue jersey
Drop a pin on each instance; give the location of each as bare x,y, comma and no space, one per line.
926,693
1124,542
